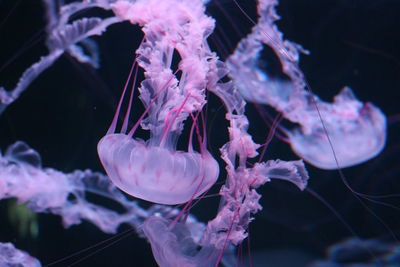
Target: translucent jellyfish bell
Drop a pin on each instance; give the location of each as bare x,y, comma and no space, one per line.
155,173
173,244
357,133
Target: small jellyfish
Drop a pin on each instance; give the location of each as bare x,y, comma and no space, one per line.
173,244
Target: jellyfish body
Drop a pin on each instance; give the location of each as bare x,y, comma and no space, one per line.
354,131
156,173
352,143
334,135
173,244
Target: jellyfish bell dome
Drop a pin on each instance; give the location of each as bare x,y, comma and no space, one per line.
155,173
357,133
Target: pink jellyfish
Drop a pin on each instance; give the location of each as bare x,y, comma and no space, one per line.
356,131
154,170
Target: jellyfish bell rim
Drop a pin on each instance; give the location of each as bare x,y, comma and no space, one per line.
175,178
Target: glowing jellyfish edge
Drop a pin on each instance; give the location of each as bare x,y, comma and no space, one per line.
156,174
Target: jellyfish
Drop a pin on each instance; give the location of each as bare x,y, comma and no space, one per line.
334,135
155,171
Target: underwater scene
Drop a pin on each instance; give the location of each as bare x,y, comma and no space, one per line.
199,133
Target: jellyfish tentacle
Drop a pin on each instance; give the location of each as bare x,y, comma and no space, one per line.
113,124
128,110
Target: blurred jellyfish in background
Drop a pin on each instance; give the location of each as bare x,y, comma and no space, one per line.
68,103
354,251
